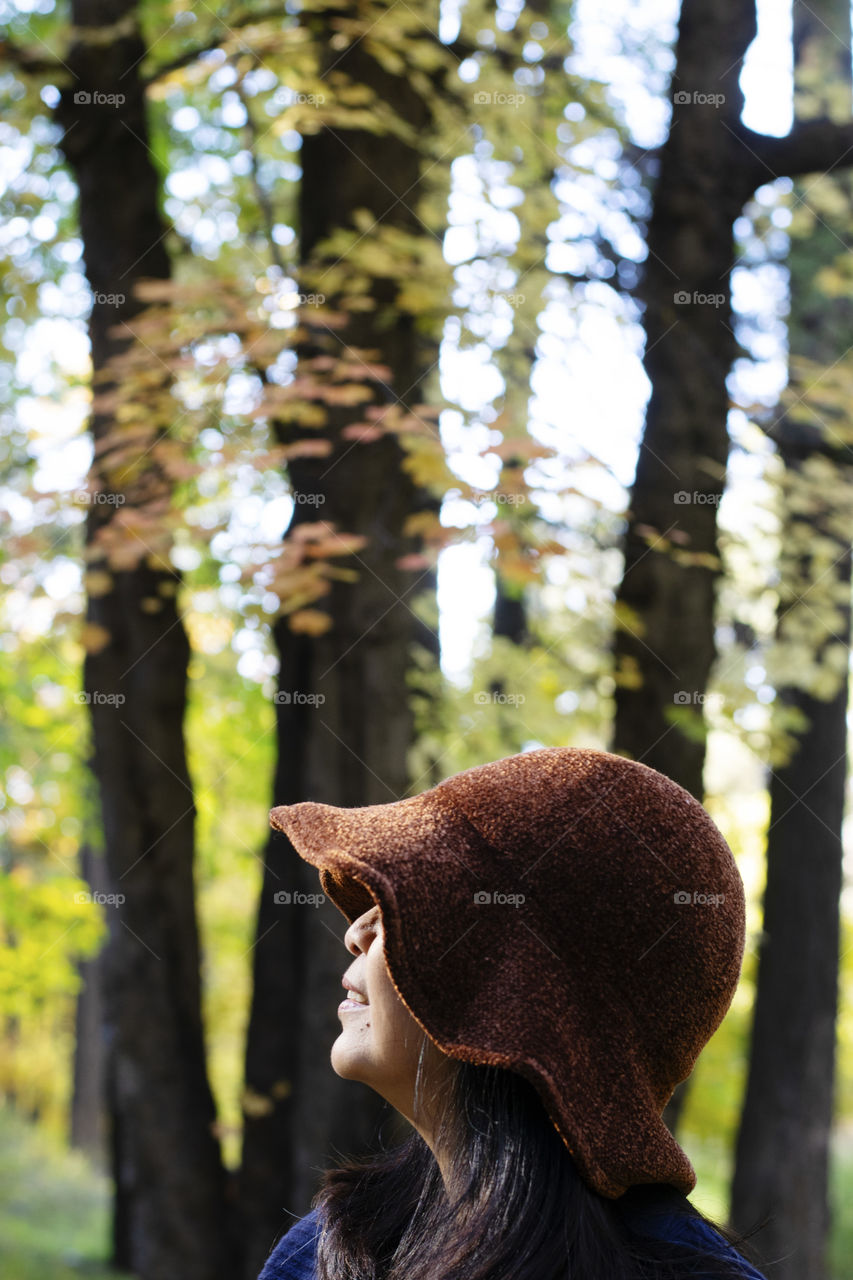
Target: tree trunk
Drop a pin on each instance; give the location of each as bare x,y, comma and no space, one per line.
709,165
782,1145
170,1221
664,641
88,1097
509,616
509,622
782,1159
344,722
664,645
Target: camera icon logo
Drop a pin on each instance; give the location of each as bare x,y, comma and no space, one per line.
680,898
681,297
282,898
482,897
82,96
681,98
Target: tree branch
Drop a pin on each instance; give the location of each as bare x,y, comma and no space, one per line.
812,146
797,441
32,61
508,59
262,196
192,55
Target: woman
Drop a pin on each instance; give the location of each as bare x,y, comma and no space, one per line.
542,946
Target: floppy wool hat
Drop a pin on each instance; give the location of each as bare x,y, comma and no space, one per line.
566,913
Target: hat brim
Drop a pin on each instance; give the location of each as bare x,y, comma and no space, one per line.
337,842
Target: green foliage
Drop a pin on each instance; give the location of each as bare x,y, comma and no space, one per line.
37,917
211,372
230,740
54,1208
48,922
555,691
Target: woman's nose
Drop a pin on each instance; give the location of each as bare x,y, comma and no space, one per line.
360,933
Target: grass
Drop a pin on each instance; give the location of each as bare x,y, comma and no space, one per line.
54,1208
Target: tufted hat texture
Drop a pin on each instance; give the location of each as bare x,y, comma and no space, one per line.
566,913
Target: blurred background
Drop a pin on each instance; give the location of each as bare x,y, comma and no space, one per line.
387,390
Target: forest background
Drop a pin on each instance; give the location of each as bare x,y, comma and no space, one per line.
386,391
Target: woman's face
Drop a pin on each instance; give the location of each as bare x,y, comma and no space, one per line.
380,1042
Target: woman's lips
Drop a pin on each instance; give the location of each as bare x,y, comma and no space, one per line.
346,1006
351,989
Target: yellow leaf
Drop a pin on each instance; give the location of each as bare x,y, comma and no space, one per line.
98,583
310,622
256,1104
94,638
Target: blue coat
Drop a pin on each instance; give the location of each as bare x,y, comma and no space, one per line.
294,1256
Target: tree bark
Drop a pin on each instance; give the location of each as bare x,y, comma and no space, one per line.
782,1147
170,1219
782,1158
509,616
350,746
509,622
709,165
664,645
88,1097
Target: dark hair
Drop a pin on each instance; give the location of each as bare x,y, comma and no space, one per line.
523,1211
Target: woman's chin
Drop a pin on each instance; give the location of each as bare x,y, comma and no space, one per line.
346,1061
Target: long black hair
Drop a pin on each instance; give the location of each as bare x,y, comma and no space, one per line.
522,1211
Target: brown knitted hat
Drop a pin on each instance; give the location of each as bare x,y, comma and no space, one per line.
569,914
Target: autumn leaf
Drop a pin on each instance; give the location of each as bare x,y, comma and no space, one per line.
94,638
303,449
362,432
413,561
337,545
98,582
311,622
